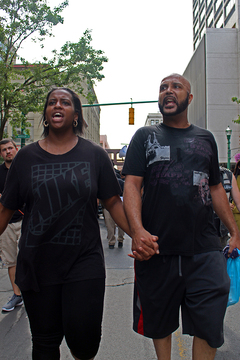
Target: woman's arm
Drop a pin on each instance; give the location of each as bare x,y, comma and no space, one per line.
5,217
147,247
115,207
235,193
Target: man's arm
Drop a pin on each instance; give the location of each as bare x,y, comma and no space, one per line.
144,244
222,208
235,193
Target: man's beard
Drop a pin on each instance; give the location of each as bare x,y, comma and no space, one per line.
180,107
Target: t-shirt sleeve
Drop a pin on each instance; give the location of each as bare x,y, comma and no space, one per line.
135,161
108,185
214,178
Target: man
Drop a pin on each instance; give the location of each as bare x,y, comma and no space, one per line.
9,238
177,164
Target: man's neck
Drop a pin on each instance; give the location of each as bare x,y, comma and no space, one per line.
7,164
177,121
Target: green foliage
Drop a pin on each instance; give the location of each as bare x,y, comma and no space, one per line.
235,99
23,88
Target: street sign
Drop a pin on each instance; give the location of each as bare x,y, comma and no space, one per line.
23,136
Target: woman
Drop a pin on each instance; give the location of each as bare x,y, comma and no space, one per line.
60,268
236,212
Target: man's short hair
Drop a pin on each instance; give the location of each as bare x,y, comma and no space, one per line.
5,141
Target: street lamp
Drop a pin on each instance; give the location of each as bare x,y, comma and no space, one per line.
228,133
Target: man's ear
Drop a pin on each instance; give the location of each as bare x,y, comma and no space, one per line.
190,97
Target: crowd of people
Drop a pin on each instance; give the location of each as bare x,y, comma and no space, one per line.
173,194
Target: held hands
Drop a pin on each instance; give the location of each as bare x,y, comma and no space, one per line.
144,245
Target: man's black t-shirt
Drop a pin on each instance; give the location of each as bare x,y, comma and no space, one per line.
178,166
60,239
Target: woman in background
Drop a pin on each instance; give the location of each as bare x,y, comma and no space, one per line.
236,212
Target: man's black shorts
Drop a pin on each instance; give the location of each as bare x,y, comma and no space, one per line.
199,284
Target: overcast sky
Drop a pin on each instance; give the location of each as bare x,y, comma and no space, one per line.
143,40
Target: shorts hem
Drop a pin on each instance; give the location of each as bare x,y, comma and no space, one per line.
212,345
145,334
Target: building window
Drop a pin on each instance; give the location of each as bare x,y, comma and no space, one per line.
219,22
195,12
201,16
229,7
210,19
208,3
217,5
202,32
195,29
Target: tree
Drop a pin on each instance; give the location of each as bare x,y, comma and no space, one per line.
22,91
235,99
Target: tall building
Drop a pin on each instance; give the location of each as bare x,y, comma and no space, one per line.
214,71
153,119
213,14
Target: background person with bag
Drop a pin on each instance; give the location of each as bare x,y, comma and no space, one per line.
230,186
236,209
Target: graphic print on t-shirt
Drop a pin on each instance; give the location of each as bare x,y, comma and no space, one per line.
156,152
201,180
172,166
65,188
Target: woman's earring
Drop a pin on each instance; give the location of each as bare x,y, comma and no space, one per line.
75,123
45,123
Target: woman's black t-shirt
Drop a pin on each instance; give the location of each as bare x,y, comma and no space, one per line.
60,239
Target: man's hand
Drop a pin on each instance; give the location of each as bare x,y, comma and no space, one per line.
144,245
234,242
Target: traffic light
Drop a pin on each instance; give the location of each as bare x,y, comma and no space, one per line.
131,116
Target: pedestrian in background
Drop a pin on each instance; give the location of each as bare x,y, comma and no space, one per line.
229,184
9,238
236,211
60,267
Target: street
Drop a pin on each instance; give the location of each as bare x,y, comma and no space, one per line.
119,342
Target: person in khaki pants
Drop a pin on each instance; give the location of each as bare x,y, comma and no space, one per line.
111,231
9,238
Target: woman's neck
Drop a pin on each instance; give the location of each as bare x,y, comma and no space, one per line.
58,145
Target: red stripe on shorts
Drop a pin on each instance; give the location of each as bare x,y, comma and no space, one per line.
140,324
140,320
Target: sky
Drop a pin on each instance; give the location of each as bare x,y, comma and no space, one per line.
144,42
